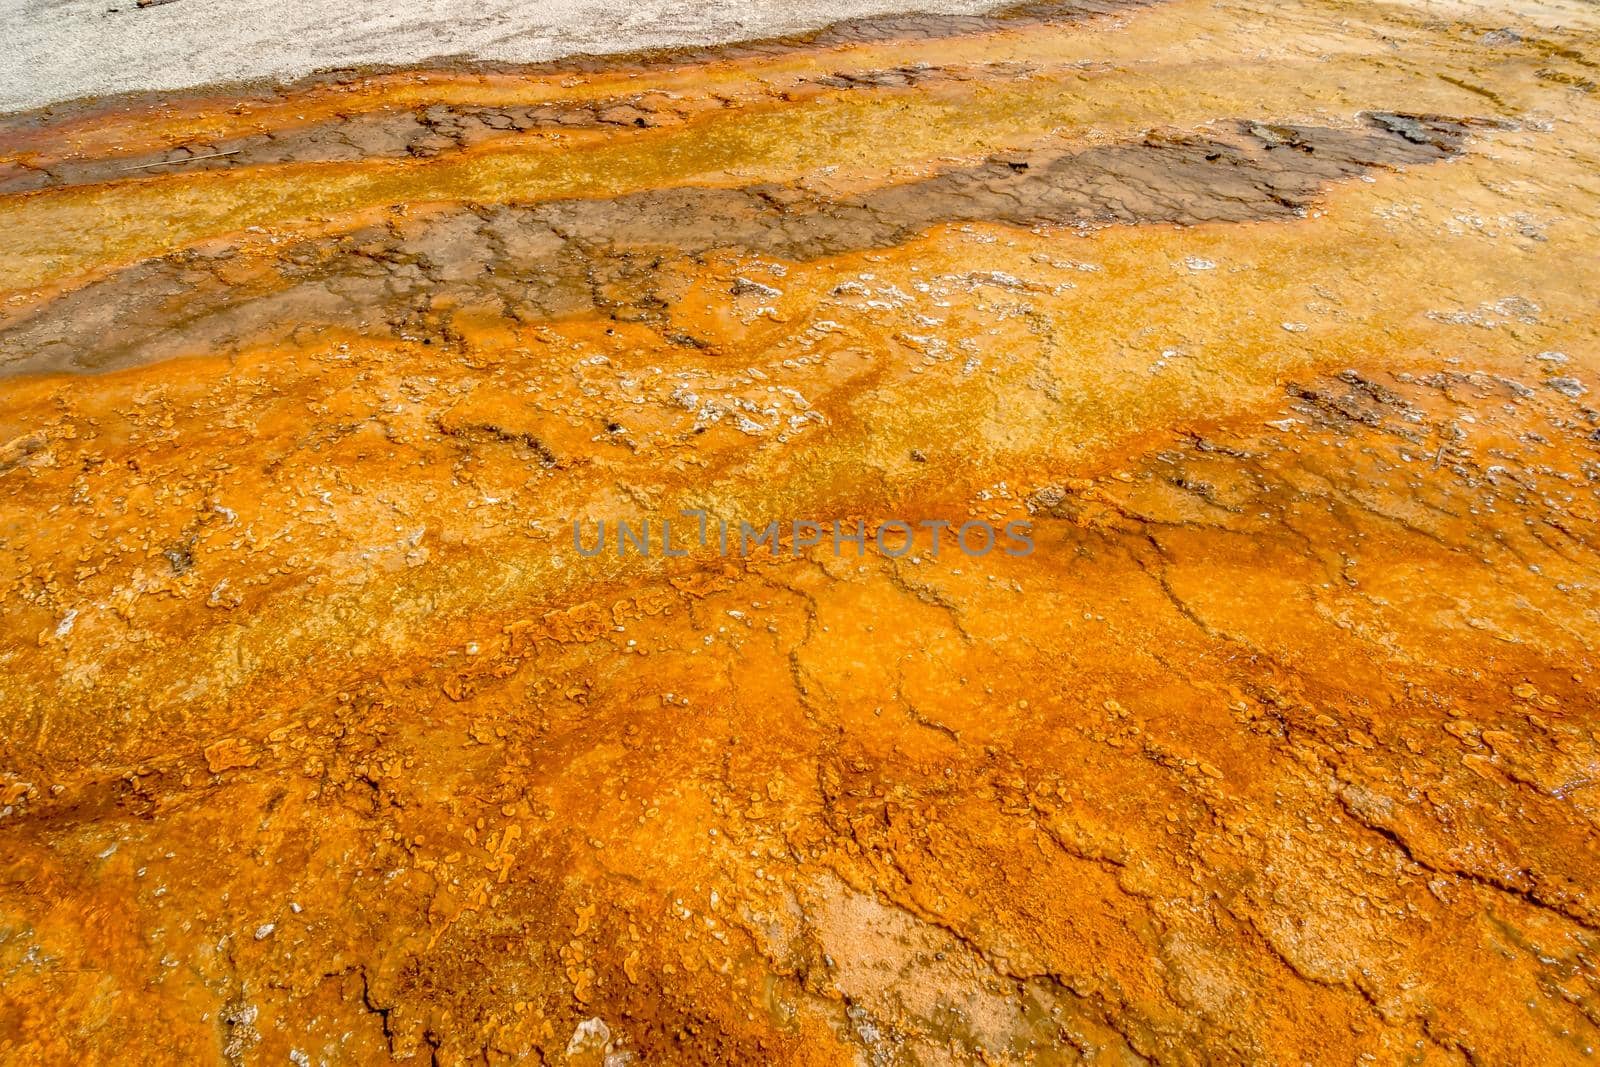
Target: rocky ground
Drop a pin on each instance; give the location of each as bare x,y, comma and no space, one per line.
324,743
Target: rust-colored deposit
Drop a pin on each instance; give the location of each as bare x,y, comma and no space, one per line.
1275,321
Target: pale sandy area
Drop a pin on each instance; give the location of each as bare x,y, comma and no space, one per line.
64,49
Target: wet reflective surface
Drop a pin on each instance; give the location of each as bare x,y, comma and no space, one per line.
1276,323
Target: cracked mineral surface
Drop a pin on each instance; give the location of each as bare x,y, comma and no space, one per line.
324,742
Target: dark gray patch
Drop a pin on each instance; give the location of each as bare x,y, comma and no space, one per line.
540,261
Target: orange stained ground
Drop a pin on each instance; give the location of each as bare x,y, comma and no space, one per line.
322,743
